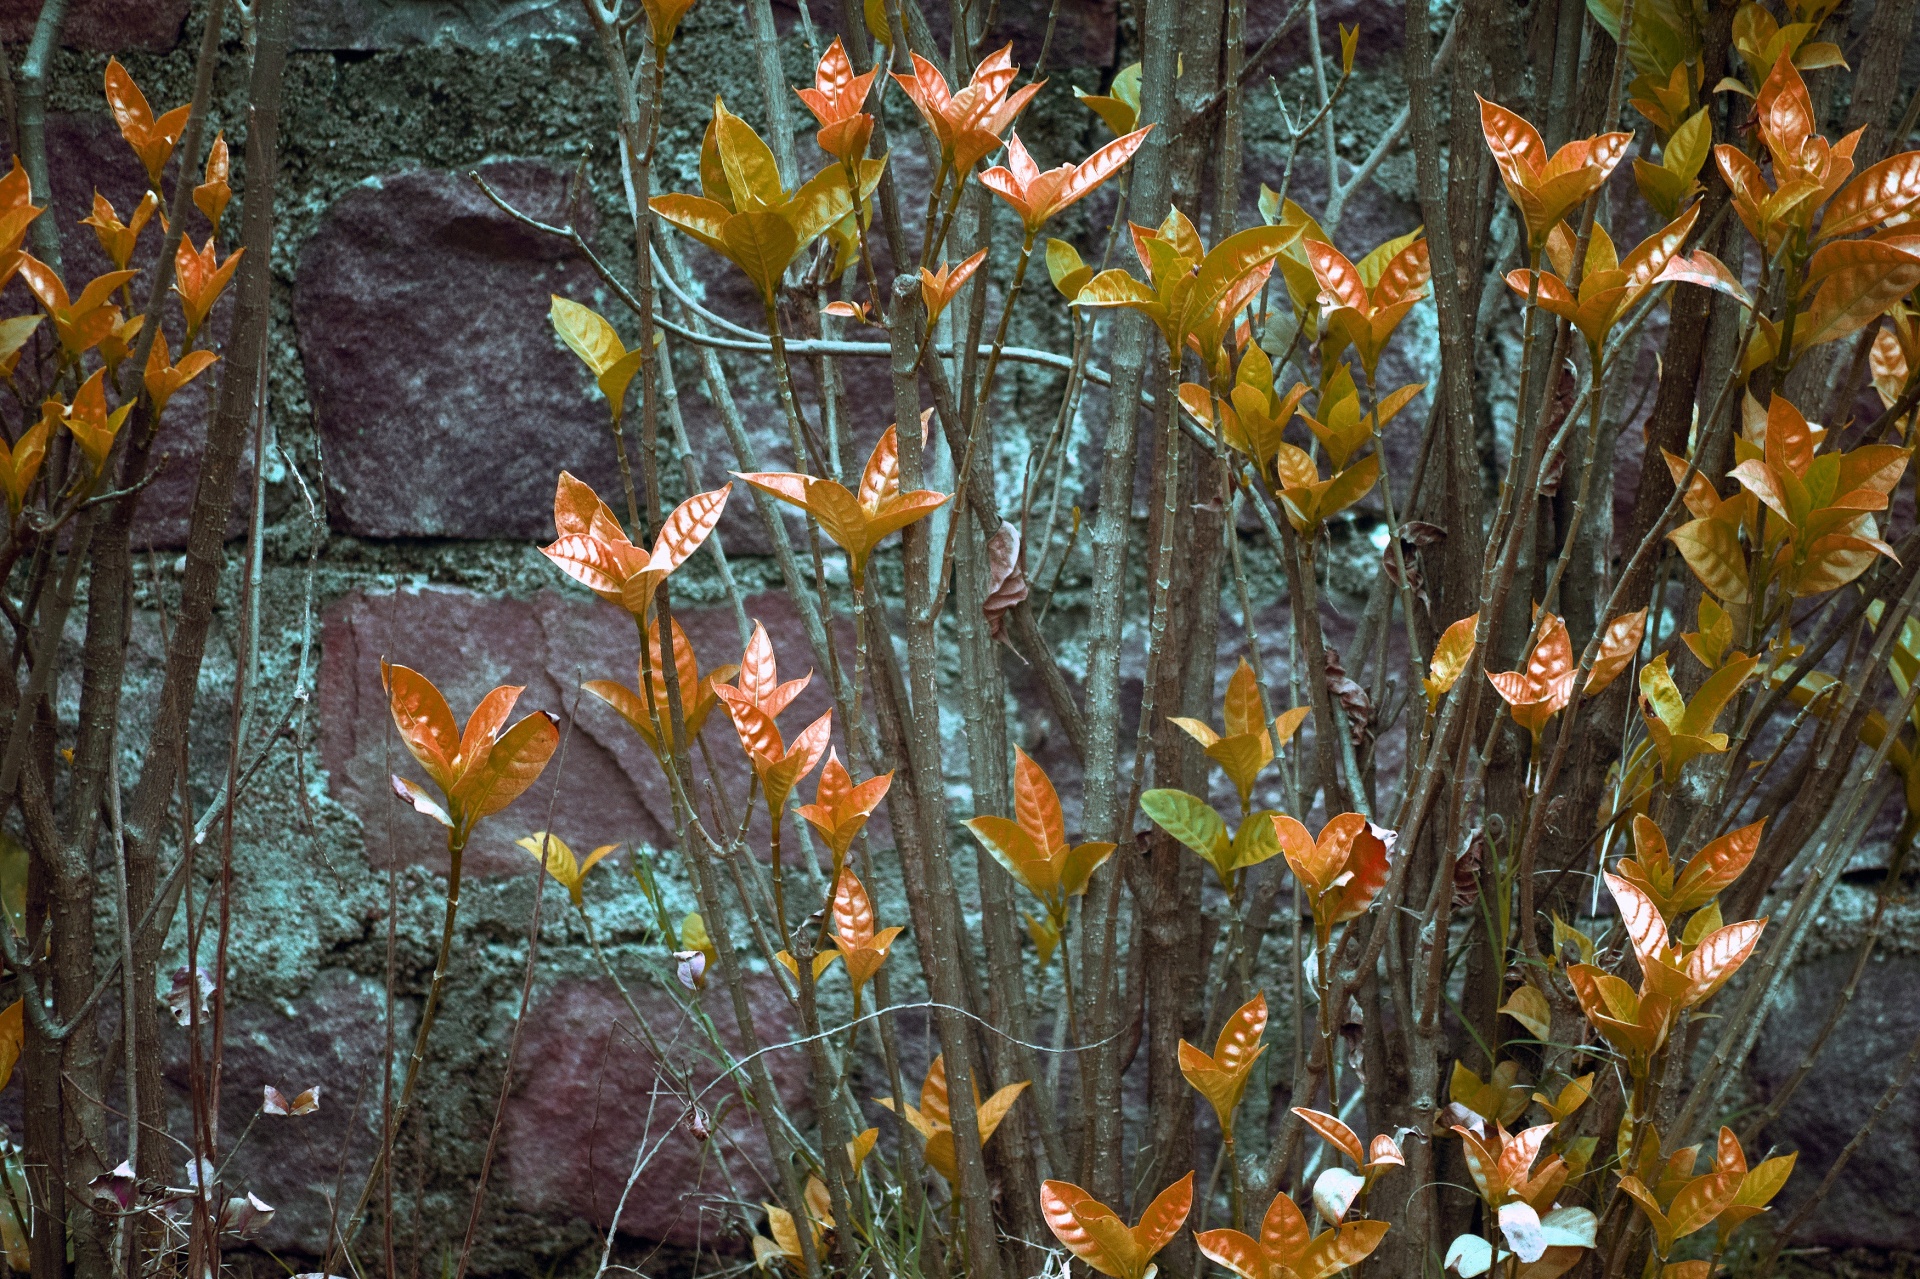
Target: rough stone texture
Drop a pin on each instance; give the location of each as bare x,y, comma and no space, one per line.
102,26
424,424
589,1102
610,788
366,26
1871,1205
332,1036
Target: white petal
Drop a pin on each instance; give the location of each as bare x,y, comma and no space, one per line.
1521,1225
1334,1191
1569,1228
1468,1256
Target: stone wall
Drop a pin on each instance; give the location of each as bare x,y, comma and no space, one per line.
419,402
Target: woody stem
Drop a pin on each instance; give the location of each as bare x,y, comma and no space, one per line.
456,846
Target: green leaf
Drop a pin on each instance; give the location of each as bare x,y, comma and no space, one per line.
1255,841
1193,822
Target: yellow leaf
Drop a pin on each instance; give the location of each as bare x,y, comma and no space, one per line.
1450,659
13,1032
1529,1007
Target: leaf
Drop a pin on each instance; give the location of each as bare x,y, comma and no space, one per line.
423,719
1716,866
1704,708
1704,269
1091,1231
274,1102
1255,841
1193,822
1882,193
1335,1132
415,794
1529,1007
1520,1226
513,764
1064,267
1450,656
13,1038
688,526
1036,805
1015,850
761,243
587,334
1711,548
1872,278
1334,1191
1617,646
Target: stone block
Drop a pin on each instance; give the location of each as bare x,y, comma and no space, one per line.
445,402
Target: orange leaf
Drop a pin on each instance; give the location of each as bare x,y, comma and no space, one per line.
1617,647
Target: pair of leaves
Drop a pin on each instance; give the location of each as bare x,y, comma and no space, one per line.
1708,956
837,99
1254,417
1381,1153
594,550
1032,845
1706,874
1037,197
589,336
1288,1249
1546,188
1540,692
932,1118
1682,729
746,215
479,770
1193,822
863,948
1310,501
1337,422
1119,107
567,870
1672,182
1095,1233
840,809
1342,871
20,464
1501,1165
1609,286
199,278
968,124
164,378
82,323
152,139
1365,312
651,716
1191,293
92,424
117,239
1221,1077
1248,744
855,522
1636,1025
